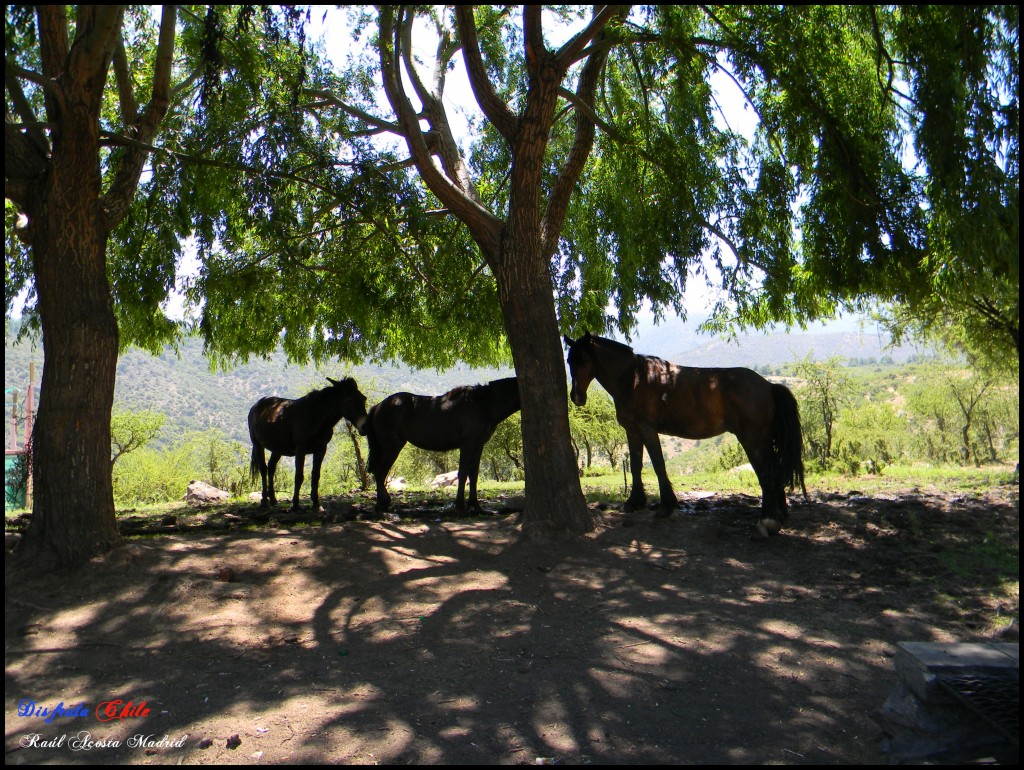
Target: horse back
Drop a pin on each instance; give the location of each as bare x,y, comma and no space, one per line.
265,413
699,402
287,426
463,415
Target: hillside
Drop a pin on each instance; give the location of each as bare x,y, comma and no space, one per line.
193,397
183,387
681,343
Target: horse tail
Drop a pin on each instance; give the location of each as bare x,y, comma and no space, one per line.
788,438
371,440
254,463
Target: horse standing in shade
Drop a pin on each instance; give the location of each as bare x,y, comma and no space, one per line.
653,396
464,418
299,427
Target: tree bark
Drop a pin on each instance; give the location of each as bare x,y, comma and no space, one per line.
73,502
554,499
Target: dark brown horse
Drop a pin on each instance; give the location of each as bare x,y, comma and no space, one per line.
464,418
653,396
299,427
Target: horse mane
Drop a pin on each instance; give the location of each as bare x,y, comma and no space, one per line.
614,344
345,384
512,381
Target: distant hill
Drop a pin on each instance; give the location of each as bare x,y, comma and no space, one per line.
195,398
679,342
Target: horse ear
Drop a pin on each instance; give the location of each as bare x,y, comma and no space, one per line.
568,340
333,382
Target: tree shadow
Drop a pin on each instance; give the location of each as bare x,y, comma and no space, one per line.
431,641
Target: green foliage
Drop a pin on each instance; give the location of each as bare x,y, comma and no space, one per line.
872,436
160,475
130,430
595,429
16,477
964,416
730,455
962,66
503,454
827,389
343,469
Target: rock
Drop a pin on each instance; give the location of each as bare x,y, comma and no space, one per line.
200,493
445,480
514,504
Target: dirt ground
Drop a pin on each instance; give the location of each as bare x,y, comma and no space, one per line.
434,640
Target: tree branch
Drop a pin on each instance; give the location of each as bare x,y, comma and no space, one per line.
125,92
53,50
129,167
567,53
97,29
533,38
583,142
380,125
484,225
23,107
495,110
443,144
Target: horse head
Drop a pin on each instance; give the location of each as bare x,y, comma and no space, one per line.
351,400
581,366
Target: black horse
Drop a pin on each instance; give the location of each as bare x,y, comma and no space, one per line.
654,396
464,418
299,427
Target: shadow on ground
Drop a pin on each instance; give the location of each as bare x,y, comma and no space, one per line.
431,640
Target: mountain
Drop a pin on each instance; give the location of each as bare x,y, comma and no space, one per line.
193,397
681,342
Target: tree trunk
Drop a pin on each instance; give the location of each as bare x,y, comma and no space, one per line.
554,498
73,502
364,477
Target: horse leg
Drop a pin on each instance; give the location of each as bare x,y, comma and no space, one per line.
271,470
314,479
379,464
772,516
668,495
259,459
637,497
469,466
300,464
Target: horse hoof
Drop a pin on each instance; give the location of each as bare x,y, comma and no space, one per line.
768,527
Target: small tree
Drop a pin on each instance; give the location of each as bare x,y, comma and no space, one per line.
874,434
503,453
223,461
827,388
133,430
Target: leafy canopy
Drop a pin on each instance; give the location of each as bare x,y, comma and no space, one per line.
884,165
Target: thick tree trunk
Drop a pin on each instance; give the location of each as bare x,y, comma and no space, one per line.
73,501
554,498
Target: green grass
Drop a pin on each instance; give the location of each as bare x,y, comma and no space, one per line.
602,484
